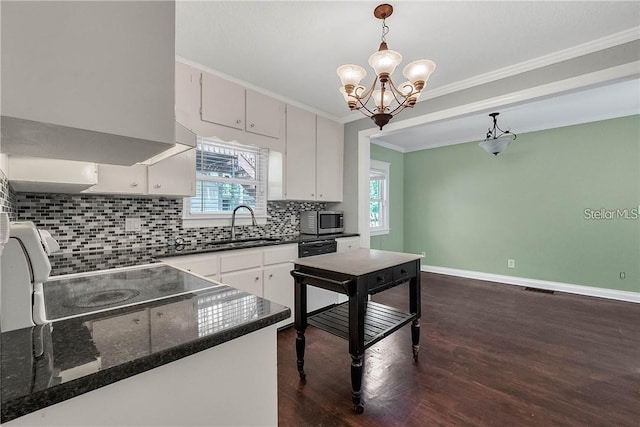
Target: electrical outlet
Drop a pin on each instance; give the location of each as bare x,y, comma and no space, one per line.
622,275
133,224
293,220
511,263
424,254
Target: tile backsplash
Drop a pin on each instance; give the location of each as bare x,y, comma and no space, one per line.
83,223
7,197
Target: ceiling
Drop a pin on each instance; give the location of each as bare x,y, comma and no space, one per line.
292,49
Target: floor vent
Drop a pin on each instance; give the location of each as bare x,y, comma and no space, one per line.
542,291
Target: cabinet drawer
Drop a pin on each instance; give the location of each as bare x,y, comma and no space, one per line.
402,273
379,279
239,260
204,265
280,254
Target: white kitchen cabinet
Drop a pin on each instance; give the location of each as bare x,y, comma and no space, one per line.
278,286
175,175
263,114
223,102
121,180
88,81
344,244
203,264
231,105
171,324
246,280
300,161
34,174
187,90
314,157
329,159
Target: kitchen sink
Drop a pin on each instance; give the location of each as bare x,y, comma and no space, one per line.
242,243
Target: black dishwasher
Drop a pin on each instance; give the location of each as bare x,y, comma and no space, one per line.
316,247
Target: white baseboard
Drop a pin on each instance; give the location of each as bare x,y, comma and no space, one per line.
535,283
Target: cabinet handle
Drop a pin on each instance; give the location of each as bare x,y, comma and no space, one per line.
403,271
238,121
160,314
271,276
320,195
312,194
158,185
380,278
134,184
257,278
252,125
136,321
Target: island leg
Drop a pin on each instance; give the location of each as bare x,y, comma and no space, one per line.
300,321
414,308
357,298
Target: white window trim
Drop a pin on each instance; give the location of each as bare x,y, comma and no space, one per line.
223,219
382,168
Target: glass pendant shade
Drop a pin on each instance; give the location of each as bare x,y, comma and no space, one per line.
419,70
382,99
351,74
384,62
496,146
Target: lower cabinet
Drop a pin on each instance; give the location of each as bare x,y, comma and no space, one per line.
278,287
264,272
245,280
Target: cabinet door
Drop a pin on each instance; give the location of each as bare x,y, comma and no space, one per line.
121,179
345,244
222,102
300,171
245,280
108,335
329,159
187,95
278,287
204,265
174,176
263,114
172,324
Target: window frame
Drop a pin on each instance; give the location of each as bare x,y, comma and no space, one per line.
221,219
380,168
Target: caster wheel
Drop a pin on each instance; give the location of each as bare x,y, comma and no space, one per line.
358,409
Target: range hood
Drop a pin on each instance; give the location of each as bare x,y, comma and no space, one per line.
38,139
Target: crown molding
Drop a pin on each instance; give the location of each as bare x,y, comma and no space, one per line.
389,146
602,43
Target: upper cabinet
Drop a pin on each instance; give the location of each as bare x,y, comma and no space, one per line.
211,106
91,81
314,153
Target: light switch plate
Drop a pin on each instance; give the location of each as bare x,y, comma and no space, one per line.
132,224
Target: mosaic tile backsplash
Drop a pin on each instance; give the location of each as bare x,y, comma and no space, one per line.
7,197
93,223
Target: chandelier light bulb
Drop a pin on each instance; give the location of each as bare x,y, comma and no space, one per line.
382,99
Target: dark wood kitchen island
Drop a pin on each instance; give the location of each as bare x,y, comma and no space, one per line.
357,274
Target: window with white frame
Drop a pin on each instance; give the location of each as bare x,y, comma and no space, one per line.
227,175
378,197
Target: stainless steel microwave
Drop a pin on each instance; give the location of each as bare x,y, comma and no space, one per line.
321,222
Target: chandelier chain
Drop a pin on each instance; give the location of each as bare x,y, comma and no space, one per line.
385,31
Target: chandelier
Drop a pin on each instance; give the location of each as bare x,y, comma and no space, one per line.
495,143
387,98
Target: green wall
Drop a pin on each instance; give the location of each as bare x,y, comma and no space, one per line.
472,211
394,241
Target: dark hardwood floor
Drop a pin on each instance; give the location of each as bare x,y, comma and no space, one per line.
490,354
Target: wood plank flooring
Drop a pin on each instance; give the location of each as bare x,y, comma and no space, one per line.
490,354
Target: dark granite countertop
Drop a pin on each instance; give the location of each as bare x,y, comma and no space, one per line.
78,262
47,364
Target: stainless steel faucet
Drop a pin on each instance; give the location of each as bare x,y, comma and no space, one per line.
233,219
